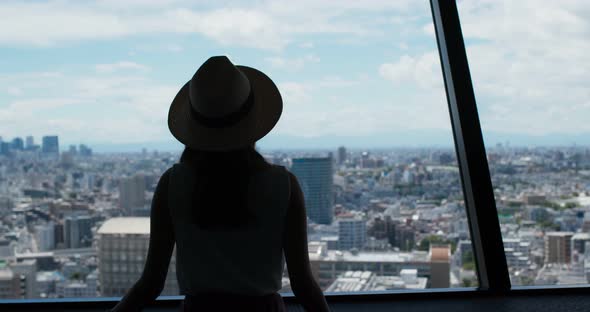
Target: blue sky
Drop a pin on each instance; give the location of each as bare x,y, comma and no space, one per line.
360,73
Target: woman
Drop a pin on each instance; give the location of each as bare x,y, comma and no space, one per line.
231,214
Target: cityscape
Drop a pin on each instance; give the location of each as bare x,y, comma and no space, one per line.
75,223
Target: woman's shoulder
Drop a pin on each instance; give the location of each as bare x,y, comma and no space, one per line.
280,170
167,173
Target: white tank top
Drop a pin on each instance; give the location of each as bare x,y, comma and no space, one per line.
246,261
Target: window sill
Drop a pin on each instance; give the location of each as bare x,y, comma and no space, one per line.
567,297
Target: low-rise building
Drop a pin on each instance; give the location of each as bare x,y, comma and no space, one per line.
352,281
122,250
328,265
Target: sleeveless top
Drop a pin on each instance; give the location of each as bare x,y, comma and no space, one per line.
246,261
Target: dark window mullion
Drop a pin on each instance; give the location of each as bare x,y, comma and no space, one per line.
477,186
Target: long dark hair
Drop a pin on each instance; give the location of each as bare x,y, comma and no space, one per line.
220,197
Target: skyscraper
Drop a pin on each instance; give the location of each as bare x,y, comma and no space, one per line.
132,193
45,235
316,180
352,233
50,146
30,142
558,247
341,155
4,148
78,231
122,250
18,144
84,150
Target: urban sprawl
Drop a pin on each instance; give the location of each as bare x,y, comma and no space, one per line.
74,223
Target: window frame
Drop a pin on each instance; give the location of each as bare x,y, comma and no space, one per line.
484,226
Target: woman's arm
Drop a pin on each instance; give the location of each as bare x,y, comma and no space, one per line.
303,283
152,280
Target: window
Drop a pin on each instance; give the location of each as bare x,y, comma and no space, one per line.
365,128
531,82
364,105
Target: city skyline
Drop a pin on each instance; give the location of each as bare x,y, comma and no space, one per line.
325,144
388,219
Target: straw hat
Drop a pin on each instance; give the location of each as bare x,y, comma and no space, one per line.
224,107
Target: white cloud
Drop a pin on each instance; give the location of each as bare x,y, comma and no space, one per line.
294,92
423,70
308,113
429,29
120,66
528,59
265,25
14,91
306,45
104,107
529,64
292,64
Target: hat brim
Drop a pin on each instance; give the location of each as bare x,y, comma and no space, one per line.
260,119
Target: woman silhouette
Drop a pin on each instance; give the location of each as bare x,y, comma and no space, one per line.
234,218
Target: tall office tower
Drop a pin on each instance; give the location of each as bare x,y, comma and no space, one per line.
29,142
84,150
45,236
50,146
405,237
316,180
59,234
4,148
78,231
132,193
122,250
558,247
18,144
341,155
352,233
73,150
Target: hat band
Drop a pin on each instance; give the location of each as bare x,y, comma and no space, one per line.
223,121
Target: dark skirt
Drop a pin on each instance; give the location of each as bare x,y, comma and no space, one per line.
230,302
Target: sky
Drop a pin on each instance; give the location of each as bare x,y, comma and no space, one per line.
353,73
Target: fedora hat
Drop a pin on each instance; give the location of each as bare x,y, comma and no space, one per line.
224,107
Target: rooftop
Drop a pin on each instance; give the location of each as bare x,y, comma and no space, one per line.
581,236
126,225
363,256
560,234
440,253
369,281
6,274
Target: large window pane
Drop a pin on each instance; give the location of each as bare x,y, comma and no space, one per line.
529,64
85,89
